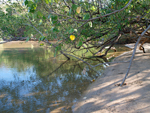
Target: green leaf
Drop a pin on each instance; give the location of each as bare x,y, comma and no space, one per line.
32,8
26,2
80,43
41,38
56,1
44,17
148,11
39,14
29,3
42,44
47,1
71,31
82,39
57,23
54,18
87,16
55,29
59,47
74,7
27,39
40,22
93,8
54,22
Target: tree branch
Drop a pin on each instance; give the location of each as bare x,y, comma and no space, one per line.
133,54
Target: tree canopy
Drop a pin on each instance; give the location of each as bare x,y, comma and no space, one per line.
76,25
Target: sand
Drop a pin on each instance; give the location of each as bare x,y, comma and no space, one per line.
104,96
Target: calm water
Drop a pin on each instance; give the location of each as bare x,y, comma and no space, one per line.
31,81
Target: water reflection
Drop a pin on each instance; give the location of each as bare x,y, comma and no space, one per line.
30,81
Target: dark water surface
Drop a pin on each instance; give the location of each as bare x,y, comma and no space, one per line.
31,81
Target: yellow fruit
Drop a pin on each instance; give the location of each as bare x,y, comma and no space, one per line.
72,37
78,10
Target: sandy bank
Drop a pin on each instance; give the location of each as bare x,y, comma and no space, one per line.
104,97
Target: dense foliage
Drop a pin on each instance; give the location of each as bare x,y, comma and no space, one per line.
79,24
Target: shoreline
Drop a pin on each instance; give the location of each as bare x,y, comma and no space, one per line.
104,96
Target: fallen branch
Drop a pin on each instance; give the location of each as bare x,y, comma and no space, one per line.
133,54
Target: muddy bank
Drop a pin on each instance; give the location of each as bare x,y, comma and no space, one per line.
103,96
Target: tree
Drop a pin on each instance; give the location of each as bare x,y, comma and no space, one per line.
82,25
